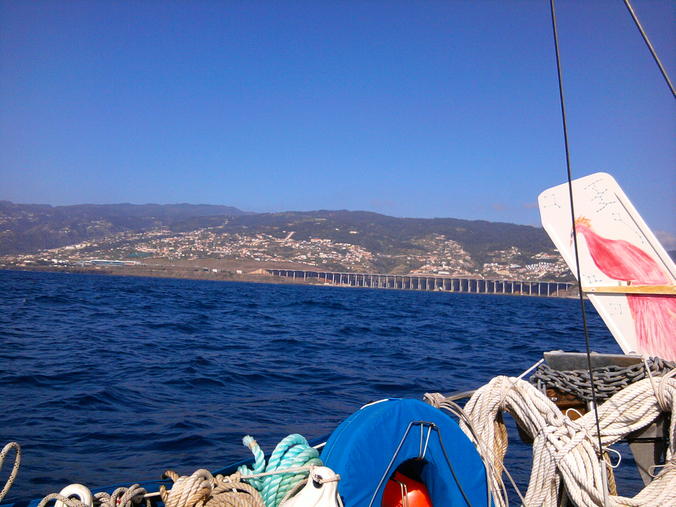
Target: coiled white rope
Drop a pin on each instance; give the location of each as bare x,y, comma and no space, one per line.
438,400
123,497
567,450
187,490
77,495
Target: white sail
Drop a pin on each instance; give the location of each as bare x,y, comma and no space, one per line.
627,274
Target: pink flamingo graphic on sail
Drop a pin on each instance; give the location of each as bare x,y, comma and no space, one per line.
654,315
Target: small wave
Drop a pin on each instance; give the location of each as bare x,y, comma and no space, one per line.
354,330
285,341
204,305
396,387
106,398
313,303
87,401
54,300
197,382
202,361
41,380
44,480
188,442
188,425
206,382
173,326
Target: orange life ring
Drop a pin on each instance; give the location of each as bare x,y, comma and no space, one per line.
402,491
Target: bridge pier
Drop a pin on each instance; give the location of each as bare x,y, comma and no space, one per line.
429,283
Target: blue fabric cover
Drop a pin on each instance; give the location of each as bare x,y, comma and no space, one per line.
362,446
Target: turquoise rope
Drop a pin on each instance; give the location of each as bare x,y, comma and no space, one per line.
259,463
292,451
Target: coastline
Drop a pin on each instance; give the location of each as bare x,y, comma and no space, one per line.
193,270
145,271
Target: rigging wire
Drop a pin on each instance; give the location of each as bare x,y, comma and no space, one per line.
650,47
555,32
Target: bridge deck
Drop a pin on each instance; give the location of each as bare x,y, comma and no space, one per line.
432,283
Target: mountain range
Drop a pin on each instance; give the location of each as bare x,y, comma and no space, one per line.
384,243
27,228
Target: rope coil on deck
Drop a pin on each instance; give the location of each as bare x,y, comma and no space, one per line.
287,468
69,502
201,489
187,490
123,497
231,491
565,450
263,486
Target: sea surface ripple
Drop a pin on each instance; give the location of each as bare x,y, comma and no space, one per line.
112,379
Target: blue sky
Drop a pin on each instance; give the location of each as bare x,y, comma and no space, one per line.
425,109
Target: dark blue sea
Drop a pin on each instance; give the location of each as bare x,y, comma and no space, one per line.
111,379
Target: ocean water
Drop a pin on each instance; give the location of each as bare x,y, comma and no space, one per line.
111,379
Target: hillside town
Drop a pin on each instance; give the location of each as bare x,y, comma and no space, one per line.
434,254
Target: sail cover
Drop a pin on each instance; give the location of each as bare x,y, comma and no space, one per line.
367,447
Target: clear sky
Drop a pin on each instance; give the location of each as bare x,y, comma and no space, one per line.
418,108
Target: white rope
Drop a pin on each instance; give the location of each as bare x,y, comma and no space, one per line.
187,490
15,468
123,497
567,450
289,470
485,451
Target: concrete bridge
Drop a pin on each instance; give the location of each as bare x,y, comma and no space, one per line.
430,283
